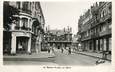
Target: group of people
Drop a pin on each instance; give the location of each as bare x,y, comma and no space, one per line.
51,49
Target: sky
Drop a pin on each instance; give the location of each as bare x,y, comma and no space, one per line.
62,14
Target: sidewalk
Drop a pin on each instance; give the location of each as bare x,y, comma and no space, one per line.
95,55
28,57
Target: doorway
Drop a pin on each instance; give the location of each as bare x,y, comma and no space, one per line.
21,45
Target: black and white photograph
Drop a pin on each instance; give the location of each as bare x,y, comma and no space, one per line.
64,33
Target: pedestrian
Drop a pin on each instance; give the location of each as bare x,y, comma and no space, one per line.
104,52
20,46
62,50
69,50
105,55
53,47
48,48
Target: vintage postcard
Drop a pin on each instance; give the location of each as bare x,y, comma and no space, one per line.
57,35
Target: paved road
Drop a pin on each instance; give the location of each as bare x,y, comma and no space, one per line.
59,59
73,59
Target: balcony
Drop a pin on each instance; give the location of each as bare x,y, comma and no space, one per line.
26,11
100,20
107,32
60,41
108,16
95,35
17,27
86,38
22,28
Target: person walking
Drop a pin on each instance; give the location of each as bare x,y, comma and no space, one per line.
104,56
62,50
104,53
69,50
48,48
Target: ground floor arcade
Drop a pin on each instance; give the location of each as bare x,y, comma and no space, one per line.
98,44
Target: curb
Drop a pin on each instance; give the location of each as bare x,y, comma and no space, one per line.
28,59
91,56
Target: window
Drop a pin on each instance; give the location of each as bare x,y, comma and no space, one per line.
17,23
100,28
109,26
103,28
110,43
36,5
18,5
103,14
87,33
97,30
25,22
25,5
86,20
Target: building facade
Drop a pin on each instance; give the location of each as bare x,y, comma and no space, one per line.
58,38
94,28
75,43
23,27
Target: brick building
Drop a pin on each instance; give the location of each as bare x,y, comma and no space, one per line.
23,27
94,28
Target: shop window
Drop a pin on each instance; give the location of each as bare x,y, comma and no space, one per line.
110,43
101,45
105,47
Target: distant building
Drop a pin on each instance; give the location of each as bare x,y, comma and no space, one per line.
94,28
59,38
23,27
75,42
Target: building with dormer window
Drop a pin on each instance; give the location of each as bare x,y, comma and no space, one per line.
59,38
94,28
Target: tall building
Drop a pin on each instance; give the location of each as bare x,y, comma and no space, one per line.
94,28
23,27
59,38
